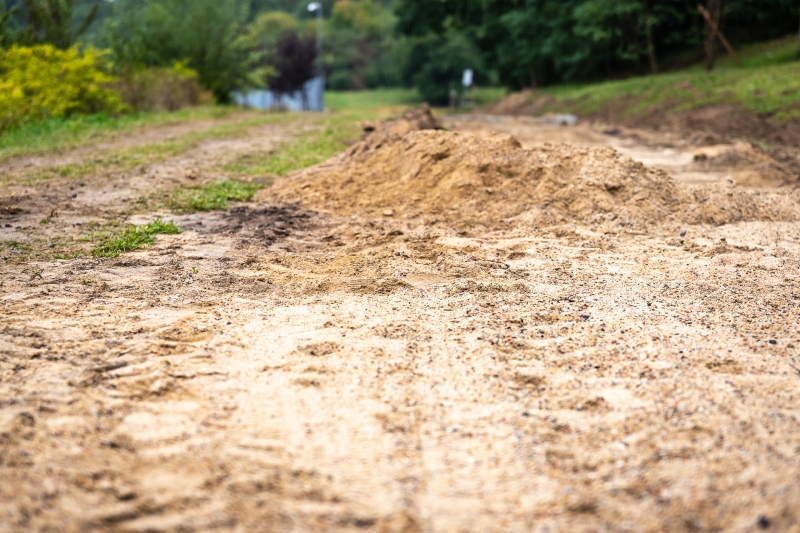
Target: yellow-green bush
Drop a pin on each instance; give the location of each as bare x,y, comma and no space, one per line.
42,81
162,88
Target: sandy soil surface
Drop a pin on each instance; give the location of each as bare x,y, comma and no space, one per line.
320,360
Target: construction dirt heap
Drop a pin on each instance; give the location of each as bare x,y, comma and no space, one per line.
464,180
414,119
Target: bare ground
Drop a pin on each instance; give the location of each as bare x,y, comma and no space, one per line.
283,368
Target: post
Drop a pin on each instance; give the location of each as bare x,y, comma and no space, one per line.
320,66
320,79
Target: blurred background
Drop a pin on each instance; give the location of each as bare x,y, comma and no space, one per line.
168,54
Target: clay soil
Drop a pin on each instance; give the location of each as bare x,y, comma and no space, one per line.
449,331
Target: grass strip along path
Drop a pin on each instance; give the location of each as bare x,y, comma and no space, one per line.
308,140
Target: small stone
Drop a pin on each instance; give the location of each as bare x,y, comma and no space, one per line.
683,234
388,213
773,341
763,522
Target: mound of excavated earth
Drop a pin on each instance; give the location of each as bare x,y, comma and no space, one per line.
414,119
465,180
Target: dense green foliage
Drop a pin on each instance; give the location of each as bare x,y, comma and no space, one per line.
424,44
43,82
535,42
361,51
160,88
205,33
32,22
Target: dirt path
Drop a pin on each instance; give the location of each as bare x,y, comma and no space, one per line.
282,368
687,157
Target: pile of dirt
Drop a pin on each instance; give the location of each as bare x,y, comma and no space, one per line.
414,119
718,205
465,180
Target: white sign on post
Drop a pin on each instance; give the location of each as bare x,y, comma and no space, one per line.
466,79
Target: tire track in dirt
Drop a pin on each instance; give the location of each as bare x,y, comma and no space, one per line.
277,369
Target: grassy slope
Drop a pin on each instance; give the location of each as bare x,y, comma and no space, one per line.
767,84
397,97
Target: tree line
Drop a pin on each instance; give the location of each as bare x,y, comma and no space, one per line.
422,43
539,42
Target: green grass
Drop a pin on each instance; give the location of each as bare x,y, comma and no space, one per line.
134,237
137,156
340,100
331,134
211,196
767,84
64,133
488,95
398,97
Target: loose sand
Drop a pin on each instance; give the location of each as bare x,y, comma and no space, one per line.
443,331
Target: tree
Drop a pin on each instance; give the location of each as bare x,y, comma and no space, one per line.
260,38
437,63
294,65
51,22
538,42
714,8
206,33
355,35
649,22
6,35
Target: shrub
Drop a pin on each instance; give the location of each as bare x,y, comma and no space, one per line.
443,59
156,33
294,64
39,82
162,88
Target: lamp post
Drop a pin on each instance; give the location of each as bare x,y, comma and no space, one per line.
317,7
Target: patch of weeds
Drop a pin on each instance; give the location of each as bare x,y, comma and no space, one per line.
214,195
15,247
134,237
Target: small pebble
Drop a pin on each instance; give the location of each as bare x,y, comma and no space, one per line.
683,234
763,522
773,341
